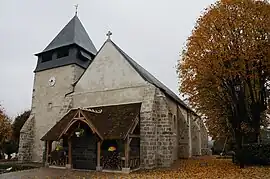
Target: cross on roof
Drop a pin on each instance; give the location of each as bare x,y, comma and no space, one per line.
109,34
76,7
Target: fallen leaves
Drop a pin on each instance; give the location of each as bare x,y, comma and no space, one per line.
196,168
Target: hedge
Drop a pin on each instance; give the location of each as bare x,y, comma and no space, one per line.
255,154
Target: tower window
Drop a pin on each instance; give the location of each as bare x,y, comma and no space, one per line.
46,57
62,52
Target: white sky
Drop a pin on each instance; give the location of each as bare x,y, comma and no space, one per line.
152,32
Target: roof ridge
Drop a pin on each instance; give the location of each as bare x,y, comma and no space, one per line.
150,78
74,29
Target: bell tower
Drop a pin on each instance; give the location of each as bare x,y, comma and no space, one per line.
59,66
71,46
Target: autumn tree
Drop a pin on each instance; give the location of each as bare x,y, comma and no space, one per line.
225,67
5,128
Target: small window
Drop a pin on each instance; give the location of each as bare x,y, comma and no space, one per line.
46,57
62,52
49,108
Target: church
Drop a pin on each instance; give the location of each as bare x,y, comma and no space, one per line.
100,110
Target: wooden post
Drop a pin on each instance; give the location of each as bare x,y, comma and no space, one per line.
49,148
98,155
127,152
70,153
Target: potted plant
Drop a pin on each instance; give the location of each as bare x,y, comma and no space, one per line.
58,147
79,132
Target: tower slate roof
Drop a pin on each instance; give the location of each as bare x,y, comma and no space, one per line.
72,33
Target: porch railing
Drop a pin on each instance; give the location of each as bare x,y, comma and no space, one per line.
58,158
117,162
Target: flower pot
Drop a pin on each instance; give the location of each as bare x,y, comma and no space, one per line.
77,134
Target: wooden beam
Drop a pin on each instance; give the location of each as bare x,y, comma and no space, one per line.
127,152
49,149
91,125
131,129
129,141
135,125
70,153
78,118
98,153
134,136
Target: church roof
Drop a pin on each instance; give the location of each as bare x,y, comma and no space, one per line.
72,33
150,78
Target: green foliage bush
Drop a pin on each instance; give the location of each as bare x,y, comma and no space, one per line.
256,154
10,147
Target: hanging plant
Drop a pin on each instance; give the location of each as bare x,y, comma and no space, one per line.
79,132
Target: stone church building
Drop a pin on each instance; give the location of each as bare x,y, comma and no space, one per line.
100,110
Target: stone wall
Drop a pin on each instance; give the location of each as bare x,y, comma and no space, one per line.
183,132
157,138
196,137
27,140
204,134
148,140
49,103
166,137
205,150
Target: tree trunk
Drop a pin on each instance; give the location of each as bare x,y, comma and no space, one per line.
239,148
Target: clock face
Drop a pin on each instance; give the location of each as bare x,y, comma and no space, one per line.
52,81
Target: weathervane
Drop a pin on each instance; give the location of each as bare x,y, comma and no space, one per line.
109,34
76,7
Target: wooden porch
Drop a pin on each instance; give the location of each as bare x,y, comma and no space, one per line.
125,156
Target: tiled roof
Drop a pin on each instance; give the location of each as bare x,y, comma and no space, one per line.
113,122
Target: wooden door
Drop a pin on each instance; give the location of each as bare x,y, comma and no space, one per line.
84,152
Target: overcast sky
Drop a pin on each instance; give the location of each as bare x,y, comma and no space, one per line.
152,32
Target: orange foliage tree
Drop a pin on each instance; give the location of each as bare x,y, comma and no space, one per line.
225,67
5,128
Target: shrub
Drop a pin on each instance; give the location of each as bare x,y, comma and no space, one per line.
10,147
256,154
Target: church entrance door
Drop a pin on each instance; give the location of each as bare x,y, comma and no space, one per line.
84,151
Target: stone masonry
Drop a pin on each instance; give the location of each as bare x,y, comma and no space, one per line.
26,140
183,132
166,139
49,104
148,140
157,138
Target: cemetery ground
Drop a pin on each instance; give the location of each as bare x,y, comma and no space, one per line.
195,168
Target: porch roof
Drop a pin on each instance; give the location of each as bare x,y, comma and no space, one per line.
114,122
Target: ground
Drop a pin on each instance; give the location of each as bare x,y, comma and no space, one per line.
197,168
